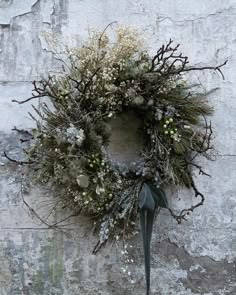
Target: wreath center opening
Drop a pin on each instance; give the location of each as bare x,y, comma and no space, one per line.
127,138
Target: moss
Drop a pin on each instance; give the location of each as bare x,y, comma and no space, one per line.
50,274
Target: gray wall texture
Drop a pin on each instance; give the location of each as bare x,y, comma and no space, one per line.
197,257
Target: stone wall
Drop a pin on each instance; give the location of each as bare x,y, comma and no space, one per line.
197,257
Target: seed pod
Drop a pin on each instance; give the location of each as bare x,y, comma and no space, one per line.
83,180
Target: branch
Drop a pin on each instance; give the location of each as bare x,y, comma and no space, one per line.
103,32
42,220
166,58
167,62
216,68
185,212
22,131
24,140
78,83
201,171
206,142
41,92
28,99
16,161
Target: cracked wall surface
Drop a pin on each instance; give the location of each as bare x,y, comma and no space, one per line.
197,257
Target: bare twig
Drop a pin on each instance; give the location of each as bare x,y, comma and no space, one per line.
41,92
22,131
42,220
216,68
185,212
168,62
103,32
16,161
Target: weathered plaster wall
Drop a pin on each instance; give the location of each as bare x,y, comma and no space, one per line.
197,257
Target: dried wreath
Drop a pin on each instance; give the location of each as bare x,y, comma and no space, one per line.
102,80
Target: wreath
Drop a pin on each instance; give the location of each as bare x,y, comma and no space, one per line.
100,81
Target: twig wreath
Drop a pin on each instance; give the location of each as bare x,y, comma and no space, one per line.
68,150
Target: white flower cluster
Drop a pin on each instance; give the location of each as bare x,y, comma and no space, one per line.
75,136
128,41
72,135
109,57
